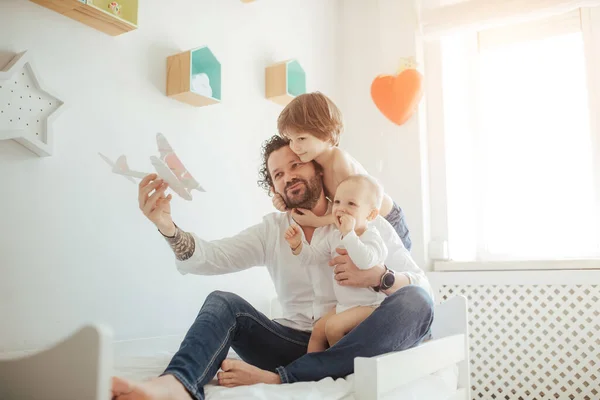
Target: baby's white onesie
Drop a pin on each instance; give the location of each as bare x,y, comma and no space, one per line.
365,251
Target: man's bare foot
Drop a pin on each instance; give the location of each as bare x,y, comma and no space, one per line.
239,373
162,388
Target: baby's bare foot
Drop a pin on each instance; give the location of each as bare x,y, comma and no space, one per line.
239,373
163,388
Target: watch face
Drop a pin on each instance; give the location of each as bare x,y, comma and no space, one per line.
388,280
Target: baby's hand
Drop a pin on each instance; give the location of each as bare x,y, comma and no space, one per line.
347,224
278,202
293,235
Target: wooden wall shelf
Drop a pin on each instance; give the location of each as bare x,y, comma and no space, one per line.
194,77
97,13
284,81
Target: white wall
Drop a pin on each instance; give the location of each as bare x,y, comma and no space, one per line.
73,245
374,36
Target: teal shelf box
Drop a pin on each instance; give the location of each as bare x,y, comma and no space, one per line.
284,81
194,77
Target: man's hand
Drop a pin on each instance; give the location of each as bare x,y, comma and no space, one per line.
293,235
348,274
347,224
155,205
278,202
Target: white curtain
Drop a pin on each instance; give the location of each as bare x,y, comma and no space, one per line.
475,15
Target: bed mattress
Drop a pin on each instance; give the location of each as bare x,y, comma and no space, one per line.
440,385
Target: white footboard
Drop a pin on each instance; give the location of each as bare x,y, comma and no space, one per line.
375,376
77,368
378,375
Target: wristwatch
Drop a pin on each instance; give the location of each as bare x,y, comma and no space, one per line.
387,280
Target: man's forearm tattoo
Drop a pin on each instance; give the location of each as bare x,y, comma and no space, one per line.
183,244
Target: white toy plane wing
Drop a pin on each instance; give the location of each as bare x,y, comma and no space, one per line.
168,156
120,167
164,147
163,170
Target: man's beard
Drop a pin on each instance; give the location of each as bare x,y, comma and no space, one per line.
310,197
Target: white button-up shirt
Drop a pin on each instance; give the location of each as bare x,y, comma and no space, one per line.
304,297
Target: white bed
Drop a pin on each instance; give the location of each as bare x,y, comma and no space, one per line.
440,385
80,368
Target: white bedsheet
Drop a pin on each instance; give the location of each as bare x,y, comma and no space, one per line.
438,386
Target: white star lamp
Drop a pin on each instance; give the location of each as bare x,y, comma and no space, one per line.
27,109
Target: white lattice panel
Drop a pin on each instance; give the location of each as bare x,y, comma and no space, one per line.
533,342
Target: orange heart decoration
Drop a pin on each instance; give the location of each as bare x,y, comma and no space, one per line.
398,96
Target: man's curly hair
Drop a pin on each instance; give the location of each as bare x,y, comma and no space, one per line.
269,146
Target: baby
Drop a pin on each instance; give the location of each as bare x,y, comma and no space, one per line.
313,124
357,201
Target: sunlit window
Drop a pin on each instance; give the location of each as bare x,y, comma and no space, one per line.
520,168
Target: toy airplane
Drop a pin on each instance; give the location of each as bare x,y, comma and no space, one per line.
168,167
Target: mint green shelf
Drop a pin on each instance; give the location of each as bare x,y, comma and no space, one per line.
204,61
296,79
284,81
194,77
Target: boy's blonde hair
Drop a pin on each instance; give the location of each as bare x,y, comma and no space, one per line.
372,186
314,113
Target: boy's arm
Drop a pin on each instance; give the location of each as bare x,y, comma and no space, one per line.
236,253
306,217
367,250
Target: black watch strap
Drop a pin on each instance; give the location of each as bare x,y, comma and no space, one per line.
387,280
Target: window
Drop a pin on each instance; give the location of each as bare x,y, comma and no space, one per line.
519,142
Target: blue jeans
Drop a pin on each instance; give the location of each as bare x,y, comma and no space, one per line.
226,320
397,219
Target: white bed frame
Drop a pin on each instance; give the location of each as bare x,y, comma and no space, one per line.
77,368
80,366
375,376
